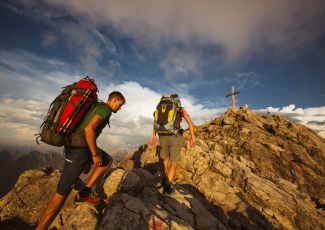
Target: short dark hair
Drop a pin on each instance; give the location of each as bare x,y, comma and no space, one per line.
116,94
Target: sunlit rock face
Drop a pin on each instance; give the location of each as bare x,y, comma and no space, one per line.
258,171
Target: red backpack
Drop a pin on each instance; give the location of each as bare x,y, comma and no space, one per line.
67,111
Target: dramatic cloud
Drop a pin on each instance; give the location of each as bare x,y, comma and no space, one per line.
238,30
313,117
180,65
235,25
182,38
25,75
85,45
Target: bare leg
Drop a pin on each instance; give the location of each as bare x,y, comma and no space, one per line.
98,171
171,172
166,163
50,211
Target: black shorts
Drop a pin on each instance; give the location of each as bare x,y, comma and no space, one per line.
75,161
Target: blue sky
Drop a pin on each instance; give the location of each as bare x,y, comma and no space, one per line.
274,51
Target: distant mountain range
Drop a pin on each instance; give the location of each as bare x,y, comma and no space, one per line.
12,164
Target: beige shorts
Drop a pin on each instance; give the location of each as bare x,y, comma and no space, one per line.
170,147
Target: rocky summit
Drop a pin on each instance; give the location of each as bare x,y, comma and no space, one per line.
247,171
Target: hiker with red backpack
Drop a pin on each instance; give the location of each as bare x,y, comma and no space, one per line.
167,119
77,105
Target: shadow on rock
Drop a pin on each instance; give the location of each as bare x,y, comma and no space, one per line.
137,155
152,167
17,224
229,220
136,202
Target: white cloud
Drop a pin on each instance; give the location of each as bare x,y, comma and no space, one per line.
313,117
198,112
132,125
291,109
27,88
21,119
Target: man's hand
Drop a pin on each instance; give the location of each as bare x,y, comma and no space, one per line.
97,161
154,140
192,142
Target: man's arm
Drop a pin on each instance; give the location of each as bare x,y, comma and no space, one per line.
91,138
190,124
154,137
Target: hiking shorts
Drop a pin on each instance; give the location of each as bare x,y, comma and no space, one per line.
76,160
170,147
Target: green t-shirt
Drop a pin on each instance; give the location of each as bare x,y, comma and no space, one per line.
102,110
78,138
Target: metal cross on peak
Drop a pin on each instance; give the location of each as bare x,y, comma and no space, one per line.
232,94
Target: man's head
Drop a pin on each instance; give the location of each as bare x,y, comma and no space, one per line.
115,100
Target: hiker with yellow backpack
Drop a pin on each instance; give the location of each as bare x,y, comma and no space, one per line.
167,124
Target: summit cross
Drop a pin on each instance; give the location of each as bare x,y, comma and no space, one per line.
232,94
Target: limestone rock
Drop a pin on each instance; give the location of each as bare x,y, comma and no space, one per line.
22,203
134,201
258,171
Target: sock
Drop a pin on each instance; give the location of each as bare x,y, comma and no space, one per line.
85,192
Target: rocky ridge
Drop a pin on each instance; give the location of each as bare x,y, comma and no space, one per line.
247,171
264,170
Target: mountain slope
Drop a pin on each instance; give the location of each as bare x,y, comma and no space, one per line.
265,169
247,171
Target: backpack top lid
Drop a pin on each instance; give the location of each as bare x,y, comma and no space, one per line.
172,97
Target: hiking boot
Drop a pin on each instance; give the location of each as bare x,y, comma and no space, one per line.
79,185
88,199
163,180
169,190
